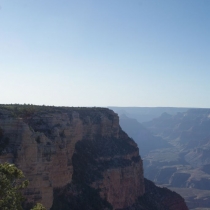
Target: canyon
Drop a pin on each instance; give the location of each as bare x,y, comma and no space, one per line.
175,150
78,158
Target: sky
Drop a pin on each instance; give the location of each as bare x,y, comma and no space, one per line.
143,53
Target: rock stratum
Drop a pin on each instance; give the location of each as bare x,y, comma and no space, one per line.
77,158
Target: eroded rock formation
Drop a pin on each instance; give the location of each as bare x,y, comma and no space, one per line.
78,158
57,146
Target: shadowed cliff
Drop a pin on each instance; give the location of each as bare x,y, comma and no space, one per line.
73,157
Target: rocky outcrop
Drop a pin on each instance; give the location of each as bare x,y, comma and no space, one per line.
167,199
56,147
157,198
78,158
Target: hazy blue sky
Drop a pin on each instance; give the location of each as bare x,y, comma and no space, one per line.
105,52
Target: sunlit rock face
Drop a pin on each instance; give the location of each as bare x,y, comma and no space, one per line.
57,147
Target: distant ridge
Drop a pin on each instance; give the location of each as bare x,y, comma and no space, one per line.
144,114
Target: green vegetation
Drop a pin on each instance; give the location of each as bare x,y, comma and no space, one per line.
39,206
11,183
10,195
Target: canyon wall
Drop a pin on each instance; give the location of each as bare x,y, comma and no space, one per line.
57,147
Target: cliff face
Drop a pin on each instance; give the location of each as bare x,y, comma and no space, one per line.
157,198
163,197
61,149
